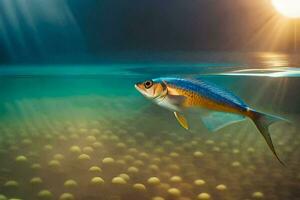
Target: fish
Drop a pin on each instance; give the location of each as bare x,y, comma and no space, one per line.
219,106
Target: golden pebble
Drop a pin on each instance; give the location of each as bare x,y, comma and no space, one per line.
138,163
108,160
216,149
175,179
45,194
154,168
209,142
118,180
124,176
199,182
54,163
133,170
2,197
144,155
158,198
21,159
258,195
36,181
70,183
235,151
198,154
88,150
58,157
174,192
75,149
129,158
251,150
66,196
91,139
156,160
97,181
139,186
221,187
153,181
236,164
203,196
95,169
84,157
36,166
48,147
11,183
97,145
121,145
174,155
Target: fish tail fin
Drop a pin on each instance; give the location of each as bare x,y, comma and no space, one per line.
262,122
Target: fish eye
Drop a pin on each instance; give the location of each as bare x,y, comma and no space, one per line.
148,84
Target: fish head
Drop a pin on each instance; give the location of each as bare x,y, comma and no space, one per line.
152,89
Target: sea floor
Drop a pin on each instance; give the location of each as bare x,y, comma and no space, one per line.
118,152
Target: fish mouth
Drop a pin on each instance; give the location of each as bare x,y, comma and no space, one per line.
141,90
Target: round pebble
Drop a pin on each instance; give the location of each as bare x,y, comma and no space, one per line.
199,182
97,180
153,181
258,195
203,196
118,180
21,159
70,183
66,196
221,187
45,194
139,186
174,192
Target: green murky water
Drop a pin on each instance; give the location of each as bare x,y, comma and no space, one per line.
83,132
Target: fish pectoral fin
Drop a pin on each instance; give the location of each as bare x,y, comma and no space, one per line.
177,99
217,120
182,120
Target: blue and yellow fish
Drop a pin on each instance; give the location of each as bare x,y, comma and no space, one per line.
178,95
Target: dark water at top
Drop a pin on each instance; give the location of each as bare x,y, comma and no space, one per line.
64,119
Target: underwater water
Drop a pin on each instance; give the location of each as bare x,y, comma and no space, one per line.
83,132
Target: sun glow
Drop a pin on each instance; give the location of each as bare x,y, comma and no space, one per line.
288,8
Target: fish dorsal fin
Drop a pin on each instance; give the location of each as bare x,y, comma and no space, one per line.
182,120
217,120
